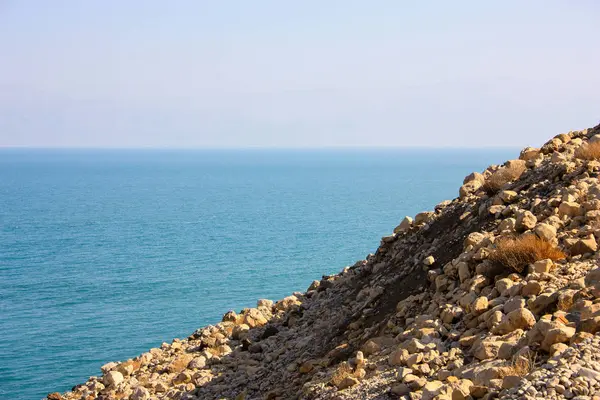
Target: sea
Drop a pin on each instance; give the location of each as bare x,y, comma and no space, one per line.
107,253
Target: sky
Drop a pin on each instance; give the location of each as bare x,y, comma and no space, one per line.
194,73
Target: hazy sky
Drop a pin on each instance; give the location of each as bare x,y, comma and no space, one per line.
296,73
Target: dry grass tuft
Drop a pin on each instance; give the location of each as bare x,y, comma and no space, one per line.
520,366
590,151
494,183
342,372
516,254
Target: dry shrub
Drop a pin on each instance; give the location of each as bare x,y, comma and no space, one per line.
498,179
342,372
590,151
520,366
518,253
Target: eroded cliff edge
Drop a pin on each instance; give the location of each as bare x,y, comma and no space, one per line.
495,294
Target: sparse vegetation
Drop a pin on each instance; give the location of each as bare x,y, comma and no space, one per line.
590,151
521,365
517,253
495,182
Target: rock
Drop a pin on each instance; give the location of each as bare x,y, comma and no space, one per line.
507,196
480,305
140,393
474,176
197,363
486,349
460,389
511,381
107,367
112,378
54,396
531,288
404,226
560,334
520,318
402,372
286,303
400,389
570,209
432,389
545,231
414,346
253,317
502,285
398,357
347,382
464,272
179,363
269,303
469,188
583,246
429,260
424,217
525,221
229,316
542,302
529,153
543,266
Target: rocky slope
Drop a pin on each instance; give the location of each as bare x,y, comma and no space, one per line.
495,294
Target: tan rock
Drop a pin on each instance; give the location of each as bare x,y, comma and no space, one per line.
508,196
404,226
531,288
543,266
179,363
432,389
529,153
525,221
520,318
584,245
545,231
112,378
347,382
560,334
398,357
424,217
570,209
479,306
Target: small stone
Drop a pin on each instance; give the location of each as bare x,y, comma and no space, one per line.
404,225
545,231
347,382
429,260
583,246
543,266
525,221
511,381
140,393
480,305
113,378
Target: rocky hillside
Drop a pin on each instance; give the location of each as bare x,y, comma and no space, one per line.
495,294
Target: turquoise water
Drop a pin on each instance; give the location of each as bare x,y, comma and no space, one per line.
107,253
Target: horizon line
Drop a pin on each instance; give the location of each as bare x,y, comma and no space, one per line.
35,147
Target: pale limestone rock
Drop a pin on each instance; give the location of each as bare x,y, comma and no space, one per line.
545,231
140,393
543,266
113,378
424,217
570,209
404,226
584,245
525,221
520,318
479,306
